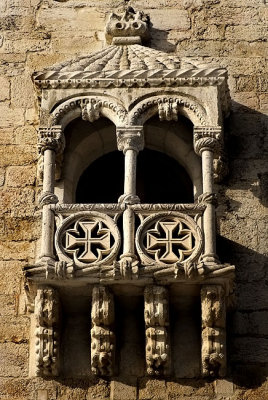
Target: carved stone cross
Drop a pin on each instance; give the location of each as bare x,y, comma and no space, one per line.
101,243
182,241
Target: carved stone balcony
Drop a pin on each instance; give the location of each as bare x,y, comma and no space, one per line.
167,242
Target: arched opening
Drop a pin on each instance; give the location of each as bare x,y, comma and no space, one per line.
160,179
103,180
175,139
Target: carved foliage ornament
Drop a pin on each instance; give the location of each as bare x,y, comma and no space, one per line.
51,138
169,238
207,138
102,335
156,321
47,332
87,238
130,138
213,331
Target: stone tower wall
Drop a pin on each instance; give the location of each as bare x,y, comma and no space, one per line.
34,34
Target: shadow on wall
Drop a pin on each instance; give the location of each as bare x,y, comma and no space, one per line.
242,241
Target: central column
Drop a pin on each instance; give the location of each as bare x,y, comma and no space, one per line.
130,140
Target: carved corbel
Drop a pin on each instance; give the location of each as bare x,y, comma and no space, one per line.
102,335
91,110
168,110
156,317
47,332
213,331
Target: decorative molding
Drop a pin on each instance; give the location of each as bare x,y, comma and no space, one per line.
113,208
156,316
190,209
130,138
166,107
90,108
50,138
46,313
130,24
102,335
213,331
207,138
143,76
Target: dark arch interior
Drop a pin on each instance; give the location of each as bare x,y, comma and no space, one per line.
160,179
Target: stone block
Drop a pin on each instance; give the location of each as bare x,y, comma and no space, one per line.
20,176
10,116
122,391
17,202
22,228
252,296
71,19
7,136
17,389
22,91
251,323
11,275
152,389
224,387
249,350
168,18
99,391
4,88
26,135
17,155
86,42
250,33
17,43
16,360
10,250
8,305
2,176
15,330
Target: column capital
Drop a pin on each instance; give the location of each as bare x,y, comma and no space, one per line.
207,138
50,138
130,138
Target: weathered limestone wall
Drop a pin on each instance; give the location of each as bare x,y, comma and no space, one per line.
38,33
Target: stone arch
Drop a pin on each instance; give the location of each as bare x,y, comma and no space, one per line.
90,108
168,106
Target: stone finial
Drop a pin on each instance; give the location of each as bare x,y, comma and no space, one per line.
129,27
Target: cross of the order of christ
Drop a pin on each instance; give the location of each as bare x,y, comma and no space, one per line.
101,243
177,243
